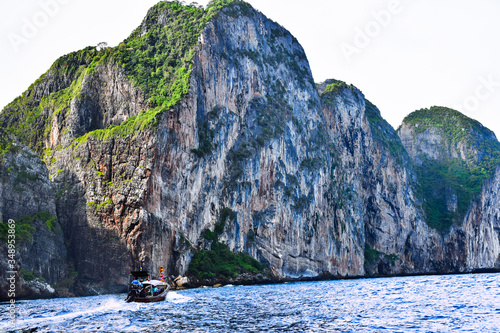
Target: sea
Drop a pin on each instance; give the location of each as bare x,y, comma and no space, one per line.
449,303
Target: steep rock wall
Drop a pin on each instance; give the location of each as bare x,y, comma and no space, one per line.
482,228
101,182
28,197
375,167
103,187
439,140
268,160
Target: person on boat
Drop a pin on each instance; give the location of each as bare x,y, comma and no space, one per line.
135,285
132,294
142,293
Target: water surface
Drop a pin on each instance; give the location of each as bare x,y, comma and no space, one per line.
464,303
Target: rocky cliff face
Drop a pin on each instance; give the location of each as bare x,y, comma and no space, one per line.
268,159
376,170
456,162
482,228
28,197
179,140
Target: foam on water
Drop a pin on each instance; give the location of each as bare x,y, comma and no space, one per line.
176,298
68,311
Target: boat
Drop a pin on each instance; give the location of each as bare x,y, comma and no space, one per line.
144,290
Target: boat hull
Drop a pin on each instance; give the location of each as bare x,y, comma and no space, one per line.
151,299
147,299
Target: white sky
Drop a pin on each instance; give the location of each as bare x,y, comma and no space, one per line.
426,52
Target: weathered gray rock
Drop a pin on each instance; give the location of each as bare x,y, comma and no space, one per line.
28,197
106,97
482,228
276,197
472,243
376,172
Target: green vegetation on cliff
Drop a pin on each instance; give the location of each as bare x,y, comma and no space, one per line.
220,262
383,133
373,256
6,146
335,87
458,129
24,226
157,58
157,55
331,88
455,126
225,214
444,184
447,186
29,116
30,276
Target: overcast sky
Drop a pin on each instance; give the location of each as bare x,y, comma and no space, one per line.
404,55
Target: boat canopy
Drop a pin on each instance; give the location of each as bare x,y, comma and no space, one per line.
154,283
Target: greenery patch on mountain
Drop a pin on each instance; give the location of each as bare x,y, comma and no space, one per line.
24,226
330,89
221,262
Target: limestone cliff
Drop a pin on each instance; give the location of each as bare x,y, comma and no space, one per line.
376,168
204,131
252,96
456,161
28,197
